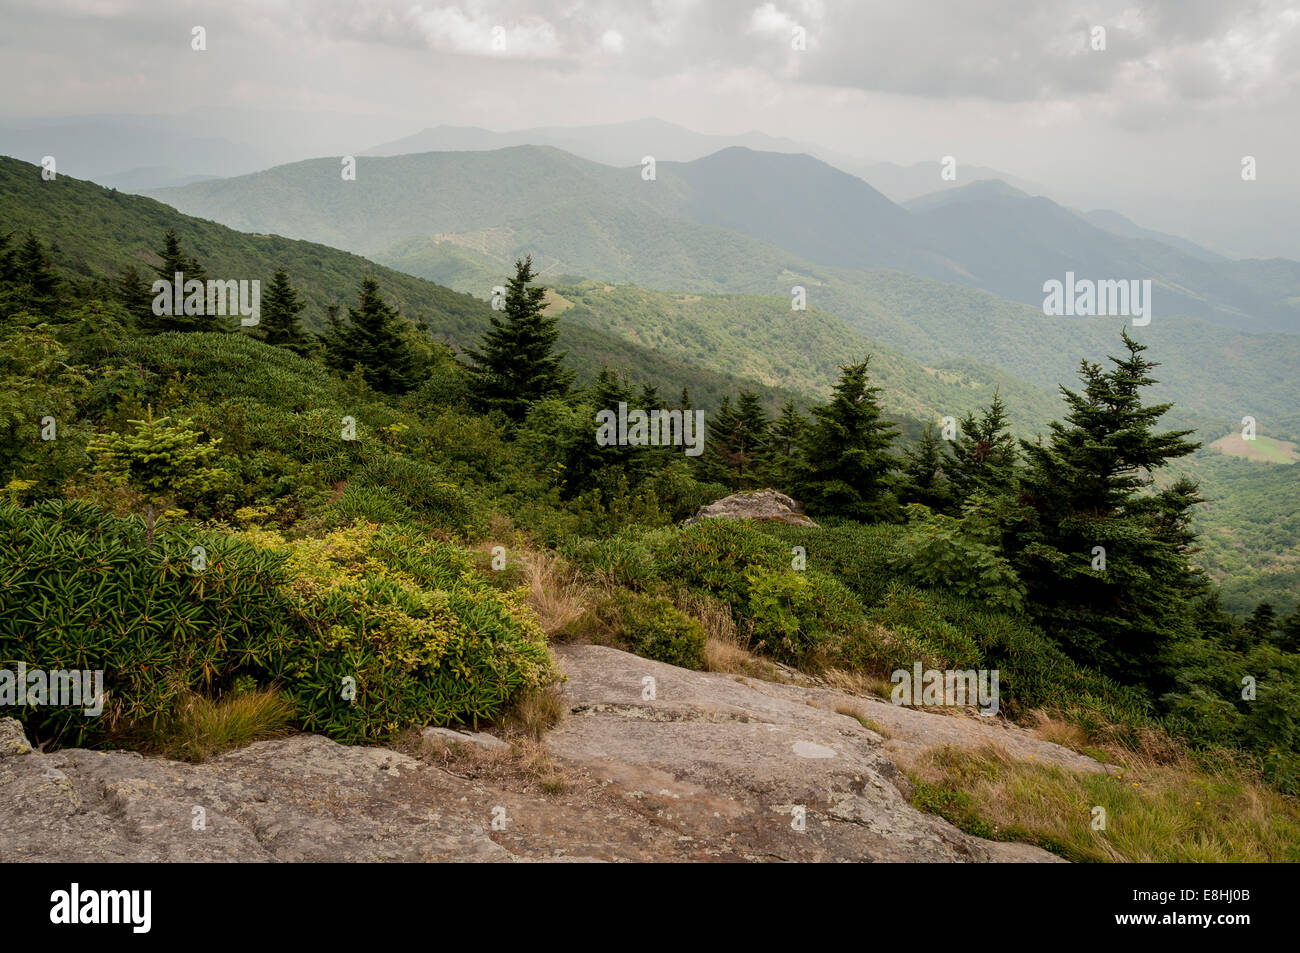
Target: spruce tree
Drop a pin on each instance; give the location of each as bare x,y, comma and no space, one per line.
735,441
280,324
373,338
586,458
516,364
924,474
847,469
135,296
1104,552
163,461
783,448
175,260
37,284
984,454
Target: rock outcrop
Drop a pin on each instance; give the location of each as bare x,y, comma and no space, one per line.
753,505
656,763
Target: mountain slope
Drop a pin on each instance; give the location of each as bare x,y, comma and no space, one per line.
97,232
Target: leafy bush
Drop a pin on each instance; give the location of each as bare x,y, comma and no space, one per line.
960,555
424,637
623,560
435,500
79,590
654,628
715,555
793,614
860,556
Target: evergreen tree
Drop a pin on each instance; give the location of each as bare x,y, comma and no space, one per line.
1287,635
648,399
783,448
1090,485
924,478
373,338
984,454
135,296
35,282
8,266
735,441
8,277
1260,625
586,458
847,469
175,260
280,324
749,439
161,460
516,364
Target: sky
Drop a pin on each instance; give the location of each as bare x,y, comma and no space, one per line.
1181,92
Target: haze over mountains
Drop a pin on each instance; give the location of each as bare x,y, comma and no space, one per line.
585,213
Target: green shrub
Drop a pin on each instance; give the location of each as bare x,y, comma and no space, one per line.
793,614
860,556
424,638
79,590
372,504
432,497
653,627
714,555
960,555
624,560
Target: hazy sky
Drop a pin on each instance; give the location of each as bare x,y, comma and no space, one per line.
1182,91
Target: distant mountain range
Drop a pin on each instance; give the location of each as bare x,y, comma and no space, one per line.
695,225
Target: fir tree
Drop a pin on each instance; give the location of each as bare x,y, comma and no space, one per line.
924,479
174,260
373,338
847,469
648,399
586,458
280,324
782,455
135,296
36,283
163,461
1287,634
1105,553
735,441
984,454
516,364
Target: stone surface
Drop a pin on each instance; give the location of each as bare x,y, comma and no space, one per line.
480,739
714,767
753,505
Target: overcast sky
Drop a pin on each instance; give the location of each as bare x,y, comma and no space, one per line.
1182,91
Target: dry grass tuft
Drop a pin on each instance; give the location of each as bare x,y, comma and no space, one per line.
534,712
556,593
853,711
203,728
857,683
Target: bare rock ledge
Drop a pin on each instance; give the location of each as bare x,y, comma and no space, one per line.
713,767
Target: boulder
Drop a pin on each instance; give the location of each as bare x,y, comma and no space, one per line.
753,505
